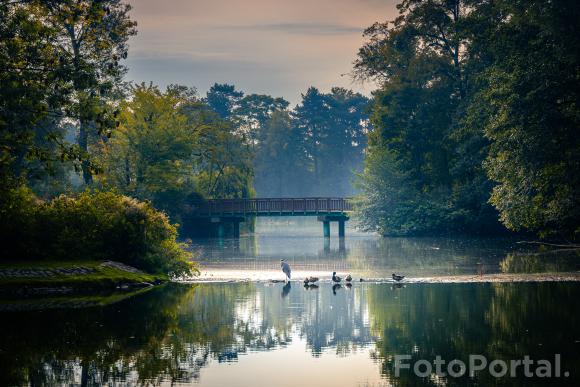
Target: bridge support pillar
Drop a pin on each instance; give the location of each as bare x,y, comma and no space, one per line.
326,228
236,229
221,230
220,226
326,219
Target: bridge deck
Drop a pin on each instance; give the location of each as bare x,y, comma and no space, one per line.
273,207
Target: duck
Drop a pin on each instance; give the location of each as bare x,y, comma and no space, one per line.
398,277
335,278
348,278
310,280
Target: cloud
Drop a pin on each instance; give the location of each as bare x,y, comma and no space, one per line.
299,28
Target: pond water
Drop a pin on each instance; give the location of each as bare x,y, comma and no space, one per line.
229,332
299,241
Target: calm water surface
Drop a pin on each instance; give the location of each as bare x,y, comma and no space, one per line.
259,333
299,241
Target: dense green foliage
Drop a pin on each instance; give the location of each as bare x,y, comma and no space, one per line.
60,64
90,226
532,93
169,148
61,80
477,105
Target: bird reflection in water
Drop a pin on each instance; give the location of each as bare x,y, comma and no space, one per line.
286,289
335,287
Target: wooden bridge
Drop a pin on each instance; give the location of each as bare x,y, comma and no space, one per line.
237,210
273,207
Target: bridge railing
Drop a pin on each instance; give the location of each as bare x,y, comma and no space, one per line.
271,205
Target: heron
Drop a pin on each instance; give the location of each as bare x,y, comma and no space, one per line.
335,278
398,277
286,269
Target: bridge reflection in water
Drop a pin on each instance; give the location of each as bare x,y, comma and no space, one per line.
235,211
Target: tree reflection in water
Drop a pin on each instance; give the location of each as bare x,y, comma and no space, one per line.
171,333
500,321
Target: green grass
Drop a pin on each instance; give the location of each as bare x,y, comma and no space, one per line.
102,277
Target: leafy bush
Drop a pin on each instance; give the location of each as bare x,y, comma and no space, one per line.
93,225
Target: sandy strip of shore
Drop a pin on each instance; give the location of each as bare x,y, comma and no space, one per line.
261,276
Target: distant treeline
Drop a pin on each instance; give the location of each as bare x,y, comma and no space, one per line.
313,150
477,117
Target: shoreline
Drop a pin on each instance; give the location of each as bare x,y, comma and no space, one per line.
29,279
444,279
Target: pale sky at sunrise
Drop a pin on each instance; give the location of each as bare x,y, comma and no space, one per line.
276,47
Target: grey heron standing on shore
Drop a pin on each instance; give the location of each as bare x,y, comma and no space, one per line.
285,268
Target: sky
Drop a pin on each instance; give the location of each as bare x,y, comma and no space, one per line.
275,47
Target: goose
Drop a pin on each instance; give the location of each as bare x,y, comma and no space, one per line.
335,278
398,277
348,278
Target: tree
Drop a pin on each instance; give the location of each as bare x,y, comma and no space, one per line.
223,99
150,156
346,140
91,37
279,163
171,148
253,112
224,162
31,91
60,64
533,123
423,64
312,121
317,147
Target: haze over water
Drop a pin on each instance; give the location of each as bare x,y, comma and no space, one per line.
299,241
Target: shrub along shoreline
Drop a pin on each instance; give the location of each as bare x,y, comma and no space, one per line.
72,239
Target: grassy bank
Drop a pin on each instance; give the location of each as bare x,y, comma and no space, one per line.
72,277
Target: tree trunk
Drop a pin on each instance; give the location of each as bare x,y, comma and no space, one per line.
84,145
